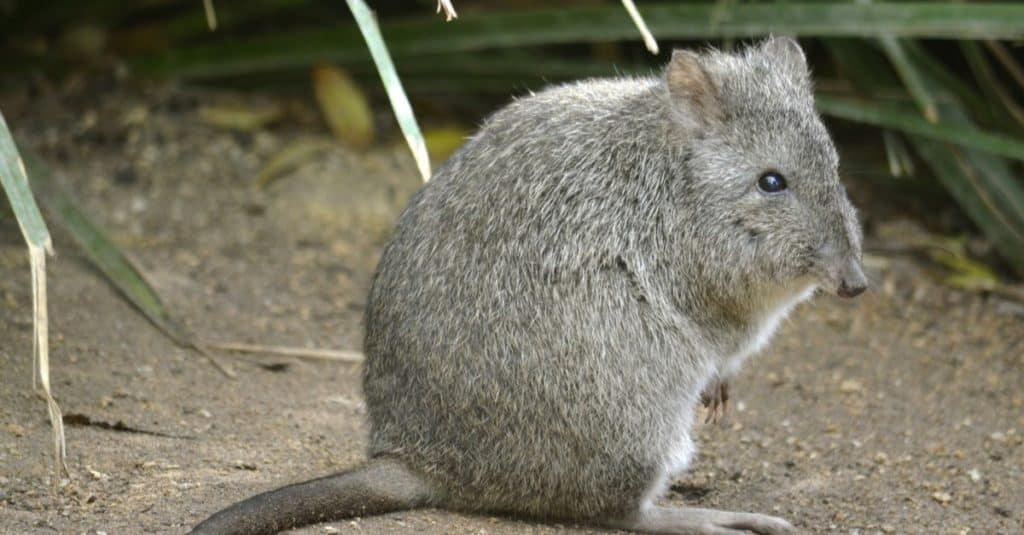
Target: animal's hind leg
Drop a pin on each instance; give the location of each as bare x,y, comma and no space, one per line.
694,521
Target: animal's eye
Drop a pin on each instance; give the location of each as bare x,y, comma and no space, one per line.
771,182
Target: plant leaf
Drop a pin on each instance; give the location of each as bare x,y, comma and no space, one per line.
343,105
396,94
291,156
990,84
14,181
981,108
103,253
981,182
641,26
15,184
911,123
241,118
915,85
670,20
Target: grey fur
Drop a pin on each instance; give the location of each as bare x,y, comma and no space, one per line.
555,300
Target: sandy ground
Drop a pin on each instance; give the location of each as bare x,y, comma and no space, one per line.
901,412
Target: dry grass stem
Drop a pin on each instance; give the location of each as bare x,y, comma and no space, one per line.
448,8
1007,60
211,14
41,358
300,352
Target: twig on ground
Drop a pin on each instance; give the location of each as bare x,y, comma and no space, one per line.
300,352
203,350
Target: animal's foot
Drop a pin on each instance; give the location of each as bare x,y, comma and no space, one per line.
693,521
716,400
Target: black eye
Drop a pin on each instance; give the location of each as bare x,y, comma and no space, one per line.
771,182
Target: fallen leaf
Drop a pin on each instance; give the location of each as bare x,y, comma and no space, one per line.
344,105
290,157
242,118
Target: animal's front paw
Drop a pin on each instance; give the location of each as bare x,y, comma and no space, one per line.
715,399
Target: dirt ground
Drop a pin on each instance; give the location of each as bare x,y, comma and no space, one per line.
900,412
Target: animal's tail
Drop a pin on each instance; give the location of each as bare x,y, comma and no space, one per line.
377,487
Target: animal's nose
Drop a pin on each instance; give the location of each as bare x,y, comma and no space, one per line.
853,282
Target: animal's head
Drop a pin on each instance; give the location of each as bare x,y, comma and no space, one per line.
767,198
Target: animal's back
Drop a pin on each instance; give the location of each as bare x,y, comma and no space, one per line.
511,347
554,302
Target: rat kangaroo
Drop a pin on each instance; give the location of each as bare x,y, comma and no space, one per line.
553,304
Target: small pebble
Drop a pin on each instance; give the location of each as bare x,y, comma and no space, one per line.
942,497
850,386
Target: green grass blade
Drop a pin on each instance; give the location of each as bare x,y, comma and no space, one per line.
1005,188
967,176
669,20
14,183
911,78
911,123
1006,59
641,26
994,90
399,102
103,253
982,109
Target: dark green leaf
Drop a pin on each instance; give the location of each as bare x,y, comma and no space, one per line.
102,252
908,121
670,20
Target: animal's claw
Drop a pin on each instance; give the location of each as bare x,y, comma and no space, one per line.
716,400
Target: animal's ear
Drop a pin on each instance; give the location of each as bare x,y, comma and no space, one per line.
693,93
786,51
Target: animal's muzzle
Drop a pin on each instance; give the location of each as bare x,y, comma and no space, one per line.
852,282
